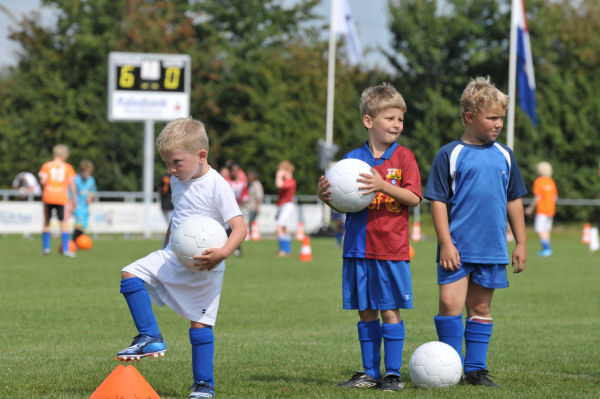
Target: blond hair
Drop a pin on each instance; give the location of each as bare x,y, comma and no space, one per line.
479,95
544,169
375,99
286,165
60,151
185,134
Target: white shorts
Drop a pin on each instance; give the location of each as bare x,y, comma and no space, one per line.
285,215
194,295
542,223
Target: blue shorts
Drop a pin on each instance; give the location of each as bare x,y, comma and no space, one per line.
485,275
376,284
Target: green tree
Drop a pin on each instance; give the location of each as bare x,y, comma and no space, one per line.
258,82
441,45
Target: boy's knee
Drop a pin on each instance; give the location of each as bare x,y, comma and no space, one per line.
125,275
129,285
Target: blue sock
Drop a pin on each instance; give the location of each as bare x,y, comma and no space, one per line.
285,243
45,240
393,343
369,335
140,306
203,350
477,340
450,330
64,239
545,244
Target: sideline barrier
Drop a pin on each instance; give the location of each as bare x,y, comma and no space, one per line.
26,217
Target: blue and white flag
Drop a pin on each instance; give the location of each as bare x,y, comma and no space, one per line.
525,76
344,24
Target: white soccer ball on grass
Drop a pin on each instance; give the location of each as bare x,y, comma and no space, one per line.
193,236
346,195
435,365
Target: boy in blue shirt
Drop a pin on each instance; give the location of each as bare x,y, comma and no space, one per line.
376,276
85,185
474,185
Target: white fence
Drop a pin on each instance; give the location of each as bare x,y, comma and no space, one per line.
126,214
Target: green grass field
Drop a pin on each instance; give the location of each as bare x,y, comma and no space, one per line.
281,332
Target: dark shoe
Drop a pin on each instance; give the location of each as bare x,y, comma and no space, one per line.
479,377
392,382
360,379
201,389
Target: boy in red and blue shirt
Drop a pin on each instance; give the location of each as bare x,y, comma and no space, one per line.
376,269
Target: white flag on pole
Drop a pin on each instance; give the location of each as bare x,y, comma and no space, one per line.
344,24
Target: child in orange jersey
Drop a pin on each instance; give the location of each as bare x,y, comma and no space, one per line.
544,202
57,177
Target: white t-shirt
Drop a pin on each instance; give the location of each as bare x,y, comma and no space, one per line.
209,195
28,182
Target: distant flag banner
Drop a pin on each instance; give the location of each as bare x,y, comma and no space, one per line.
525,76
344,24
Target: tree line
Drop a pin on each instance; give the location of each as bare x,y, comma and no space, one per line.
259,78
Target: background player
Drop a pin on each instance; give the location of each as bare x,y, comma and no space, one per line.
376,269
57,178
285,182
544,203
85,186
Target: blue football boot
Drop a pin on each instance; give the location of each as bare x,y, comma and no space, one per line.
142,346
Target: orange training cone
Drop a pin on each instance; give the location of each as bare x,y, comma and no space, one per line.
305,251
125,382
416,232
587,234
300,231
255,233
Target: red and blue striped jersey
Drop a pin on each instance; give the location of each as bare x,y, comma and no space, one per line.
381,230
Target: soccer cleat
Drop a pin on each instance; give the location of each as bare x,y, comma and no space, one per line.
69,254
391,382
479,377
545,252
46,251
360,379
143,346
201,389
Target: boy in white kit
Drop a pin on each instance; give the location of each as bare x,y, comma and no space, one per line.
197,190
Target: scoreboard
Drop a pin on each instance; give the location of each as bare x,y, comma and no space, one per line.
148,87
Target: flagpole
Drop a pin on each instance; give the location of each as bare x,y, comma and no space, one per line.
512,77
330,76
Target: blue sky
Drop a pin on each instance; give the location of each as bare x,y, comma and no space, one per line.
370,16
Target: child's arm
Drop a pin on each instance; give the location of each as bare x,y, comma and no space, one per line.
375,183
529,210
517,224
449,256
167,235
280,177
73,189
324,193
213,256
